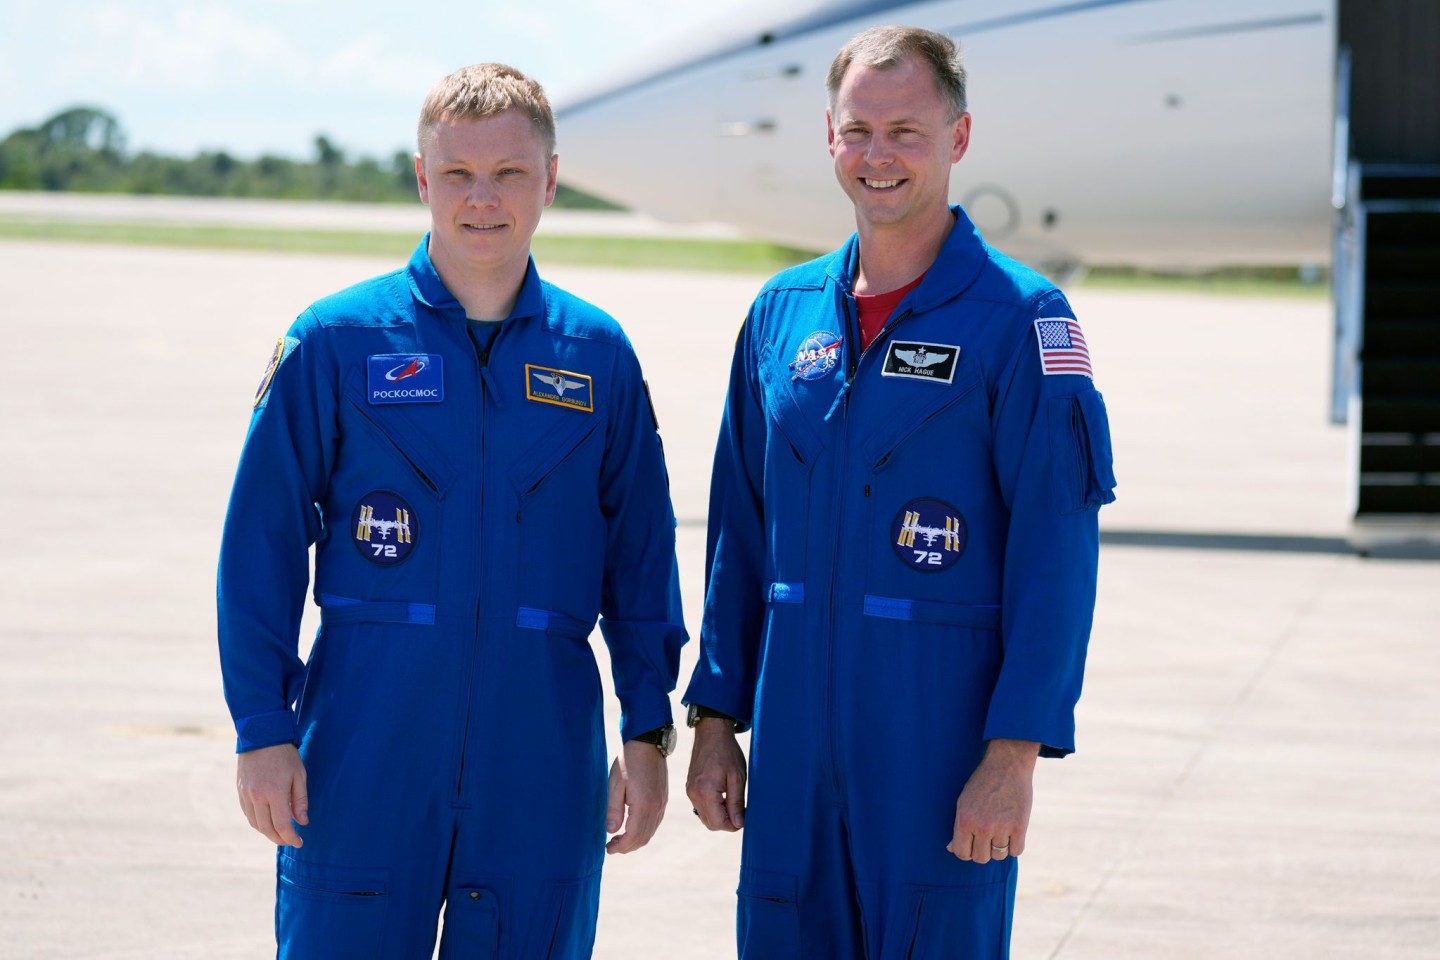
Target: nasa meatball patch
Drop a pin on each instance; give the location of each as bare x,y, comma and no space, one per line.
405,378
921,361
928,535
819,353
385,529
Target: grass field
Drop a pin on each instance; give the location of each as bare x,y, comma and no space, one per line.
727,256
733,256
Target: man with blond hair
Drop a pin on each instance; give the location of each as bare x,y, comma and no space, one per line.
474,457
902,551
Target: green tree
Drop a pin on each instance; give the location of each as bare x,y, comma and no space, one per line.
83,129
83,148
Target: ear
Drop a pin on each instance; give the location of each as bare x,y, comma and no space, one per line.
421,181
550,180
961,141
830,133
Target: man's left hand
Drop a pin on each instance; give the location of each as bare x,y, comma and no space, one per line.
993,811
639,790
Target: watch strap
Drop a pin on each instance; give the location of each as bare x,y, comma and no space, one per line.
656,736
661,738
698,712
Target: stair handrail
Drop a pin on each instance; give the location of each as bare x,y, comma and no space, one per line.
1340,153
1347,277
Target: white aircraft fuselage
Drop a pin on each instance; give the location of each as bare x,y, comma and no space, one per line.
1160,133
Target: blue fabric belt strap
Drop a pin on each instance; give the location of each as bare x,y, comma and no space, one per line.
338,610
934,611
530,618
787,593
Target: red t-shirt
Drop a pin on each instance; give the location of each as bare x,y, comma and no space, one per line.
875,310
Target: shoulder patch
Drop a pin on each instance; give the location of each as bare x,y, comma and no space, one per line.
1062,347
650,401
282,347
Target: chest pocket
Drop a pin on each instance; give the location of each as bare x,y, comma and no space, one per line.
795,415
542,461
559,521
911,406
399,433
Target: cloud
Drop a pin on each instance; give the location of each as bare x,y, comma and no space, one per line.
246,75
196,48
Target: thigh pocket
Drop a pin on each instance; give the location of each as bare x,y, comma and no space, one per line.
472,924
768,918
574,904
486,919
325,911
969,922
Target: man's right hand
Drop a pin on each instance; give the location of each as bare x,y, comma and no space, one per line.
271,785
716,783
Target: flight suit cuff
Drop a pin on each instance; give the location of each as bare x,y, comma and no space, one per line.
638,718
716,698
264,730
1053,743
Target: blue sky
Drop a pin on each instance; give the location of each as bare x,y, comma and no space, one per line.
268,75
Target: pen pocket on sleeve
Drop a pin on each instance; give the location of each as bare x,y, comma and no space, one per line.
1081,456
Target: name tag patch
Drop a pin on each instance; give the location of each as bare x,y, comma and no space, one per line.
564,388
921,361
405,378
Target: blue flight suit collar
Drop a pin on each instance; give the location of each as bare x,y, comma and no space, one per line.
961,259
430,290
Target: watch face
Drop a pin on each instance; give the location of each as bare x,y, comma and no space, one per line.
667,741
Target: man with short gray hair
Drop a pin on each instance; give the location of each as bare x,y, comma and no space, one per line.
902,551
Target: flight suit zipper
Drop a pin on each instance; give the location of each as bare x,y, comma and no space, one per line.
852,329
837,511
482,361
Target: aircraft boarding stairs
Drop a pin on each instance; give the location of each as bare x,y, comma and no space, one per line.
1387,282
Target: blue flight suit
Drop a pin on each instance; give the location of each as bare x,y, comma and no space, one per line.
901,566
474,506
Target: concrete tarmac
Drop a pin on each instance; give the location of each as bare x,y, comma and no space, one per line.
1257,773
23,205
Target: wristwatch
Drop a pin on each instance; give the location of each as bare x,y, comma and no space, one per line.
696,713
663,739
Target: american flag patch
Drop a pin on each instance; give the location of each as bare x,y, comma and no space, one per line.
1062,347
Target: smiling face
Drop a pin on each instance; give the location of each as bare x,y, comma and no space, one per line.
486,182
894,142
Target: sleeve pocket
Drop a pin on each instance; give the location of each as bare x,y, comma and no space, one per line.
1080,451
